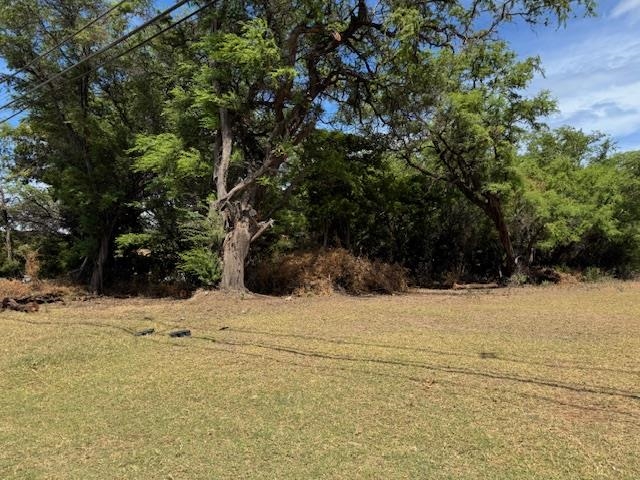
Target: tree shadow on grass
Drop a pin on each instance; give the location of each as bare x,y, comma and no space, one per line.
590,389
438,368
628,417
484,355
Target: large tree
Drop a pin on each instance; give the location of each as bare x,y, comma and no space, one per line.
470,137
264,73
77,127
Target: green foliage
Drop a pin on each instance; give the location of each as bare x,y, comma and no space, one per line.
467,132
250,51
202,230
177,227
174,168
593,274
518,279
350,192
202,264
575,206
237,60
129,155
128,241
74,139
203,236
11,268
189,246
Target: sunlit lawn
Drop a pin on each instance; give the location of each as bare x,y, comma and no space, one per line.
524,383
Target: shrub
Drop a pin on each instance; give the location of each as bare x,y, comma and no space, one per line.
594,274
17,288
201,263
518,279
10,268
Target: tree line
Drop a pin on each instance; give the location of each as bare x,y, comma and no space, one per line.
188,147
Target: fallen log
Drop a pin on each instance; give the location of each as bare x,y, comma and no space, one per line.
52,297
11,304
474,286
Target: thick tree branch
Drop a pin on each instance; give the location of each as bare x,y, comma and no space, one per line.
262,227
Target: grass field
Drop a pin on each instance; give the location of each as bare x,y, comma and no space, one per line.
535,383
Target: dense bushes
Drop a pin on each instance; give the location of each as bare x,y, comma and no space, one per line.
357,220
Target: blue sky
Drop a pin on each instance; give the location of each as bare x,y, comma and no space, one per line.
592,68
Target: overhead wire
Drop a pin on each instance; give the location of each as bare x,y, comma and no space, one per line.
103,50
121,54
14,115
63,41
146,41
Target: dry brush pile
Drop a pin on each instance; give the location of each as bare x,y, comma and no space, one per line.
323,272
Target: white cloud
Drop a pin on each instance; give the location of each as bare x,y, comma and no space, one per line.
596,80
627,8
592,68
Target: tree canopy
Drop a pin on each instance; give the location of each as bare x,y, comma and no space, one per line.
173,147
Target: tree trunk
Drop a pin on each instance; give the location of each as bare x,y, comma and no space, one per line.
493,207
235,251
239,217
8,243
7,226
97,275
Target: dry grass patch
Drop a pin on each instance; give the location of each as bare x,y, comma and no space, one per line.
505,384
16,288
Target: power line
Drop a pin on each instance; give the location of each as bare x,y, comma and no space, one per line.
146,41
64,40
129,50
97,53
11,117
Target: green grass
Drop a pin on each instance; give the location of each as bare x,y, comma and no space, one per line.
508,384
